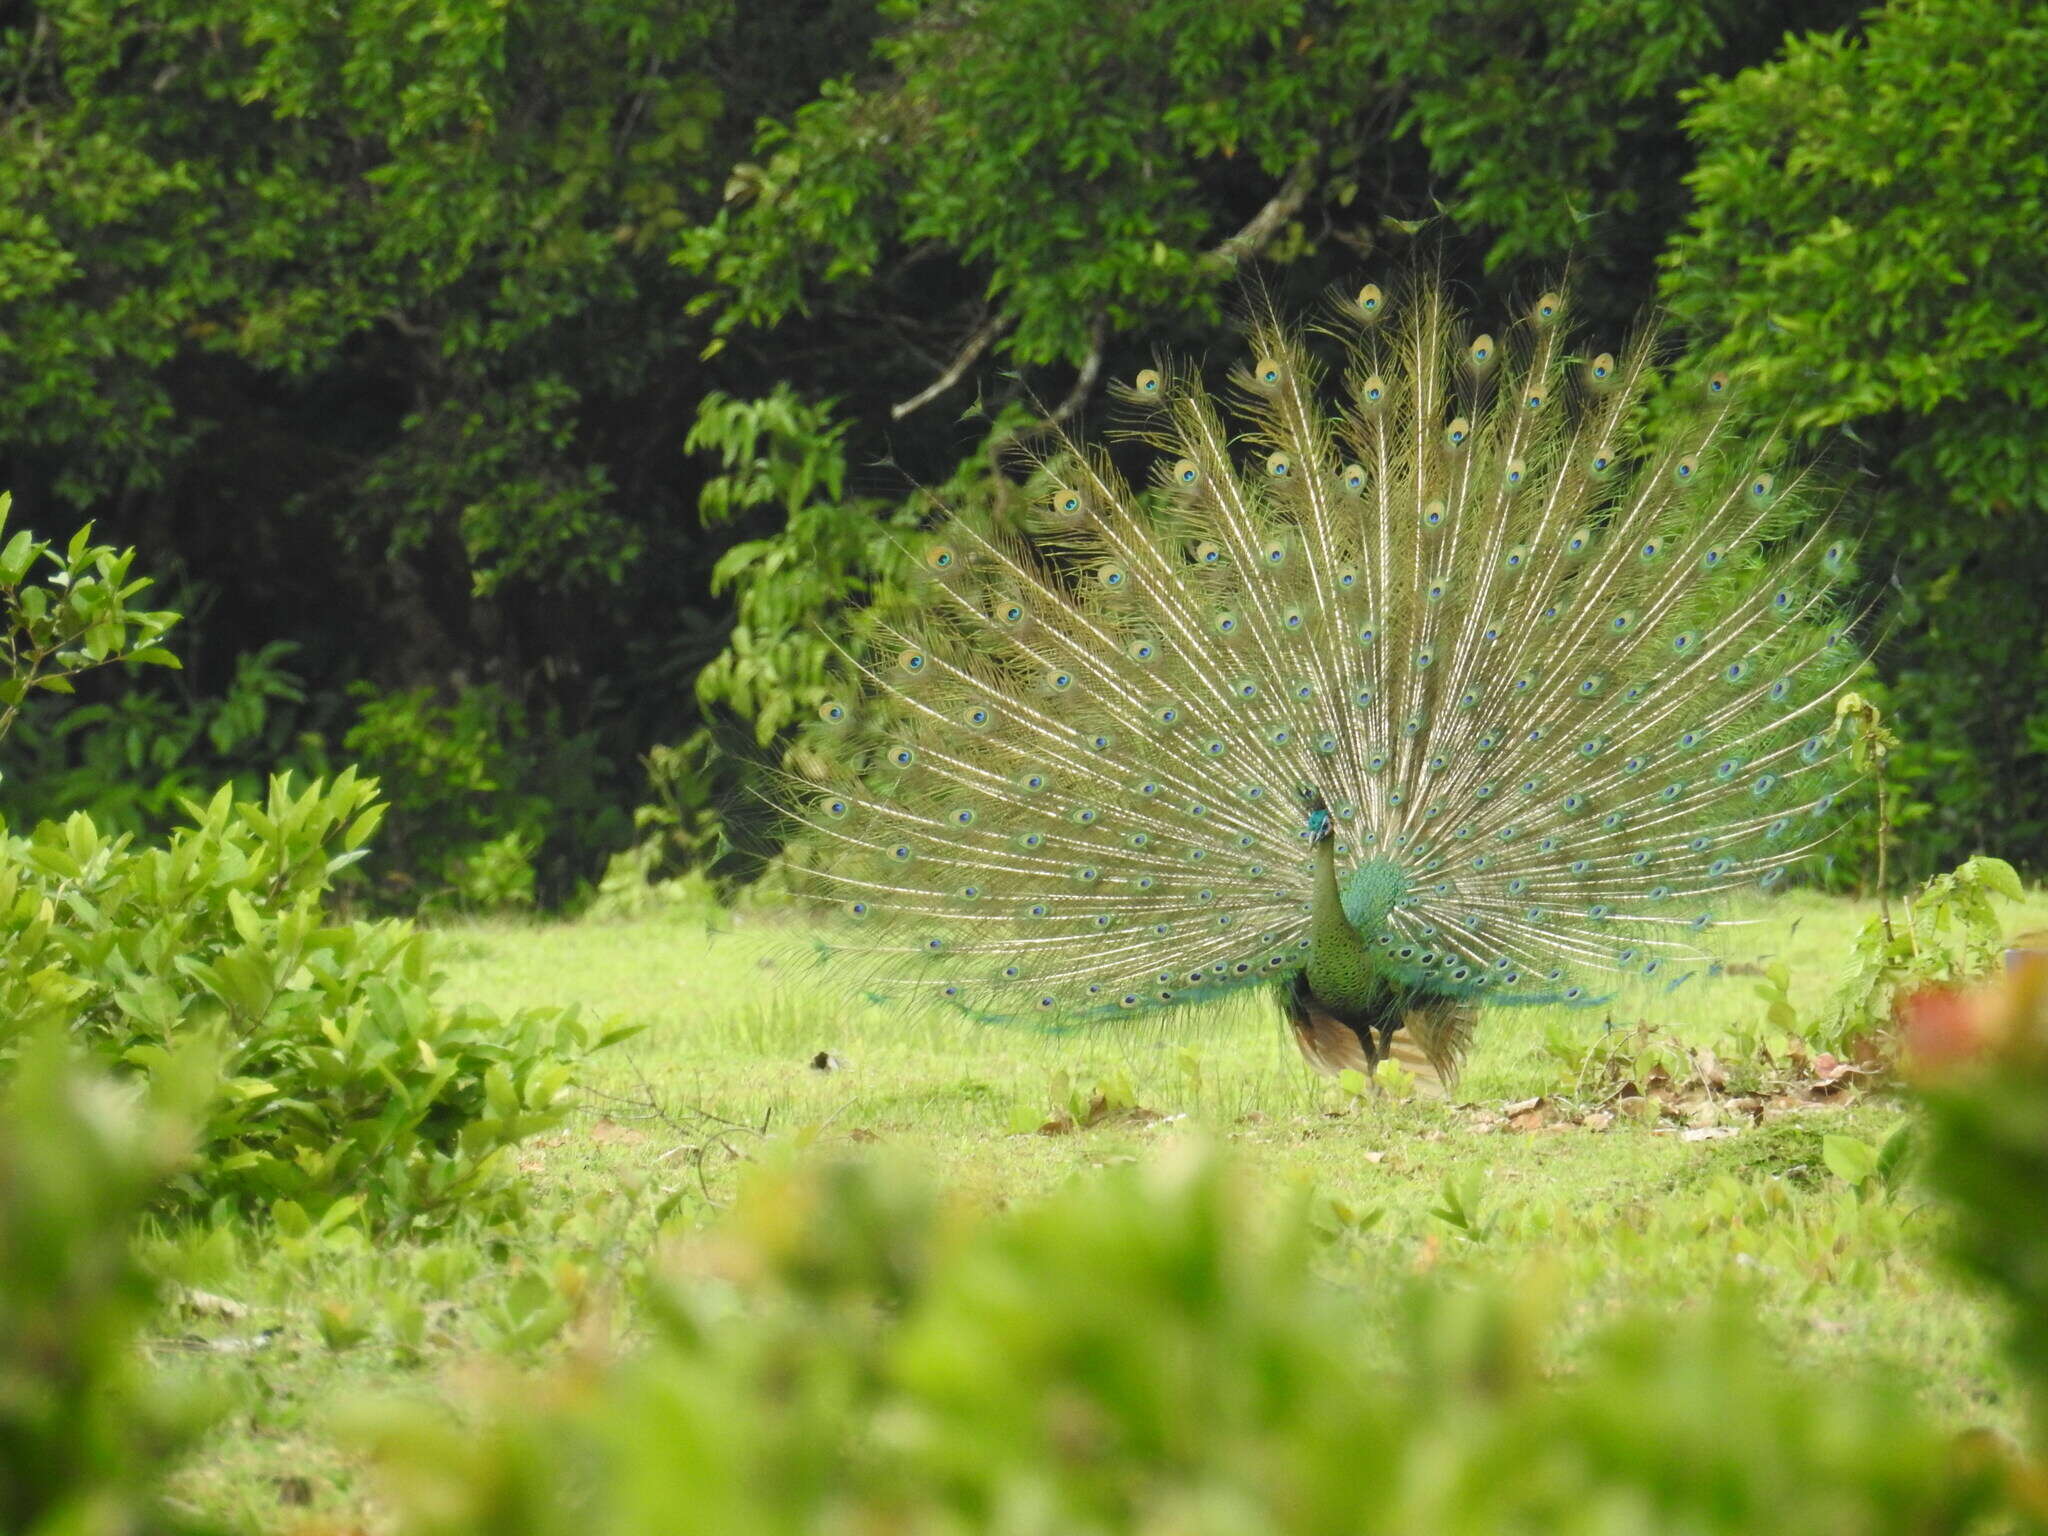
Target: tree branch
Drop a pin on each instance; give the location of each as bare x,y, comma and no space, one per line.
1084,381
1263,225
1248,241
970,349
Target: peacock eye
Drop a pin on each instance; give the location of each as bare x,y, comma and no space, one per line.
1148,382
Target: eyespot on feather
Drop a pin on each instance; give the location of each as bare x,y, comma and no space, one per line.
1482,349
1278,464
1458,431
1371,302
1187,473
1149,382
941,557
1267,372
1548,307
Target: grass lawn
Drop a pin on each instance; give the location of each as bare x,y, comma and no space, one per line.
1627,1214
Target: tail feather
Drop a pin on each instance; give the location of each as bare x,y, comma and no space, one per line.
1559,658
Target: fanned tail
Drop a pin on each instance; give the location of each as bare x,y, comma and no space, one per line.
1560,678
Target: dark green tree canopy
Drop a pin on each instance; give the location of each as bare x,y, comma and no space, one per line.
584,348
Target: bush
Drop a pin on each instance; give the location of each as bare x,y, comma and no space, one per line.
487,796
82,1429
343,1078
130,758
77,619
1151,1351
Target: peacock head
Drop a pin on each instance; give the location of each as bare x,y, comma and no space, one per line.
1321,825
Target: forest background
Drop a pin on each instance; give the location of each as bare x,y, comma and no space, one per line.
518,400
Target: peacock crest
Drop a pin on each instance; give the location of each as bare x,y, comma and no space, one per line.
1465,685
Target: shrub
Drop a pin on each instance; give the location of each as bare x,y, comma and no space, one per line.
344,1079
488,796
1949,933
75,620
130,758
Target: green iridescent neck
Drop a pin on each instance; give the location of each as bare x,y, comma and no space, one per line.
1342,922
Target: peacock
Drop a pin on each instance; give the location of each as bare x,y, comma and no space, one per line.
1476,685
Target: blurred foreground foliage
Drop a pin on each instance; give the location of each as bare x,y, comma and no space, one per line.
86,1427
1153,1351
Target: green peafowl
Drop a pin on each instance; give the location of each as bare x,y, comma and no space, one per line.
1474,688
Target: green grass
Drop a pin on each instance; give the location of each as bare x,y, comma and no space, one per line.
734,1017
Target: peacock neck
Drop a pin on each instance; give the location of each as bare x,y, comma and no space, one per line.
1340,965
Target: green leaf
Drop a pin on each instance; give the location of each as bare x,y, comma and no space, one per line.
1999,876
1849,1159
1895,1154
17,557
